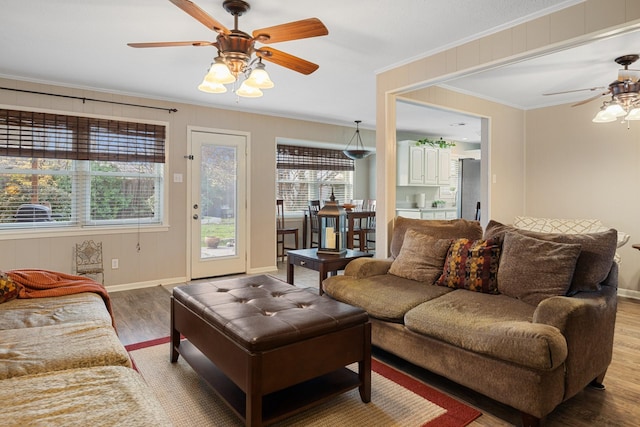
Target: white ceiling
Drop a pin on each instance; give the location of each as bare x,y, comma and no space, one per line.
82,43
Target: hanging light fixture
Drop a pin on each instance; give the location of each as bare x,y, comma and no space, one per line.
227,70
358,152
259,77
625,94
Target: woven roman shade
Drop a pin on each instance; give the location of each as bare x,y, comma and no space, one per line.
311,158
58,136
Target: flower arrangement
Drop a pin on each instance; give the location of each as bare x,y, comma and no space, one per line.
436,143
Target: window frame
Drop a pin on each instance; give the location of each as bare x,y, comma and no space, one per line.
88,227
335,162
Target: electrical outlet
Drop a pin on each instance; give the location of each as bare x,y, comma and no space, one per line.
115,263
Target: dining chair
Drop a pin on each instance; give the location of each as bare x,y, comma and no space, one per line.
365,228
282,231
370,205
314,221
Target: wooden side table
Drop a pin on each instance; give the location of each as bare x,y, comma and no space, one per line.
323,263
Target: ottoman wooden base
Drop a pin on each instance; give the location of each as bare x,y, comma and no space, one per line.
270,384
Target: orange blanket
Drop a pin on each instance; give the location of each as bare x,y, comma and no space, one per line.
44,283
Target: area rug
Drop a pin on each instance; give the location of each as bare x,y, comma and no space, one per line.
396,398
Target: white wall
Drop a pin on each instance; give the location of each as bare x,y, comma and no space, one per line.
579,169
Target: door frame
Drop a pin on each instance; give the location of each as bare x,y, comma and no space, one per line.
188,207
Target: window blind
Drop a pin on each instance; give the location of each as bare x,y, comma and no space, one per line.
58,136
312,158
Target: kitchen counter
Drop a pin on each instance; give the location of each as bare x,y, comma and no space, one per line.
450,212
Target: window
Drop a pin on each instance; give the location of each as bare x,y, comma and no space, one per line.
70,171
309,173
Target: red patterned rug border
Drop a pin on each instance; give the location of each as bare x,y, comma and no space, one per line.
458,414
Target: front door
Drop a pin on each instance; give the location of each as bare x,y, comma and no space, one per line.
218,203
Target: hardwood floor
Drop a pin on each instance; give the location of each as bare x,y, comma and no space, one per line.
143,314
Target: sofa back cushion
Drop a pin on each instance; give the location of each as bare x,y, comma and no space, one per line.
533,270
421,257
435,228
596,255
472,265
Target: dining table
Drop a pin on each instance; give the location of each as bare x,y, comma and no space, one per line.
352,216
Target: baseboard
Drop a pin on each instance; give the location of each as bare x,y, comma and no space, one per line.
628,293
263,270
149,284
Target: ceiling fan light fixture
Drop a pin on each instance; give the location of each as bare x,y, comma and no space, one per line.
247,91
616,110
604,117
259,78
634,114
358,152
219,72
210,87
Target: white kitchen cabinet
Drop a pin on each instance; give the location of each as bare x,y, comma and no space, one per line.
444,167
422,165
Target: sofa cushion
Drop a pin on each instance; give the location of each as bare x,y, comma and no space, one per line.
30,312
436,228
97,396
27,351
421,257
594,262
472,265
385,297
533,270
495,325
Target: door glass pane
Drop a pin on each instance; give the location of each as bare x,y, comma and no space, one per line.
218,200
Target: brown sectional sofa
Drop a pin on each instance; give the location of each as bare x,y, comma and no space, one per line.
530,324
61,363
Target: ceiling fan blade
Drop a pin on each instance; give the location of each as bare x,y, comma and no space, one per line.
171,44
590,99
591,89
287,60
303,29
202,16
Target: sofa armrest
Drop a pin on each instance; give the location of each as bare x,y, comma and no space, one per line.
587,321
366,267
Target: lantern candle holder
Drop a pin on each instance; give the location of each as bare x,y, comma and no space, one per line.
333,228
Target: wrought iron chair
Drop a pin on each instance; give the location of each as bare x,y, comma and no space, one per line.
89,259
282,231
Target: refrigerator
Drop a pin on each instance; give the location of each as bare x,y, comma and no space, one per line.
468,196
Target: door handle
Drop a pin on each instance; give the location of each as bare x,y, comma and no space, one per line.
195,216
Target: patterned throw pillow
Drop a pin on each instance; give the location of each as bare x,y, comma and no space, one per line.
472,265
8,288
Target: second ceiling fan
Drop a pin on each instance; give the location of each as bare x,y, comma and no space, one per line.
236,48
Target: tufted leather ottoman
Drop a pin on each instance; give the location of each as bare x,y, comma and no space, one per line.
270,349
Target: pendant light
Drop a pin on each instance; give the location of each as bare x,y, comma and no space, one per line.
358,152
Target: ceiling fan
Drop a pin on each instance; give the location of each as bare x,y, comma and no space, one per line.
624,91
236,48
